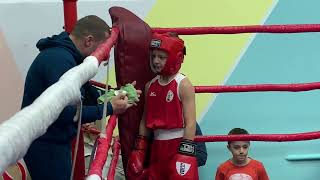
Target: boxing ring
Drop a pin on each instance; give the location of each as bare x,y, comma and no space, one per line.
130,37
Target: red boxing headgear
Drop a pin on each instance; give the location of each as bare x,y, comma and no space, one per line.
174,46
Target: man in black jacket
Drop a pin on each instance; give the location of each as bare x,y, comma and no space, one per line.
49,156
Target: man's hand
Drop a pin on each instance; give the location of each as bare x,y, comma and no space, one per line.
139,92
120,102
88,125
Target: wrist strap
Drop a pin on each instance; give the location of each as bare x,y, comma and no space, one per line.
187,147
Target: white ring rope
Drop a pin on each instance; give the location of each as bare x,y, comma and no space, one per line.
18,132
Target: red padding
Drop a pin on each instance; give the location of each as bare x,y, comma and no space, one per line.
70,14
103,145
131,63
103,51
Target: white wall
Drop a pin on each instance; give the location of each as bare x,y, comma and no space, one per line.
23,23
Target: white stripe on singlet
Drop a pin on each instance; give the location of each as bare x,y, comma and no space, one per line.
179,77
167,134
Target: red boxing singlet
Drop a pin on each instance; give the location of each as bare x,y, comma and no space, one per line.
164,107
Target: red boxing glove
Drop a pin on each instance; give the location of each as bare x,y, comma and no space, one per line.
184,164
135,169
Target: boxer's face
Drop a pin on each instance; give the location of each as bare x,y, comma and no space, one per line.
158,59
239,150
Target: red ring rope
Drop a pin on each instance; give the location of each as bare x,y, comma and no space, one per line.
103,51
258,87
103,148
115,157
289,28
260,137
247,88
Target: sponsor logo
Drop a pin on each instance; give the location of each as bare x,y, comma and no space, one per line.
152,94
155,43
188,148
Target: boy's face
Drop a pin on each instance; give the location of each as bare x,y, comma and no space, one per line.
239,150
158,60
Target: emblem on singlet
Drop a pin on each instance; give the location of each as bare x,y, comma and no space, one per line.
169,96
182,168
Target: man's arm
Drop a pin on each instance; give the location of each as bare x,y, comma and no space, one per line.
201,149
187,96
53,69
91,94
89,114
117,105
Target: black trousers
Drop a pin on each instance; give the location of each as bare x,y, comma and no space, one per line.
49,161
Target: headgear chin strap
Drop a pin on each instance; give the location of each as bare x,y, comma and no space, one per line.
174,46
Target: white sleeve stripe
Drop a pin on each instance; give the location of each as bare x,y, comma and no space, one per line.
179,77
